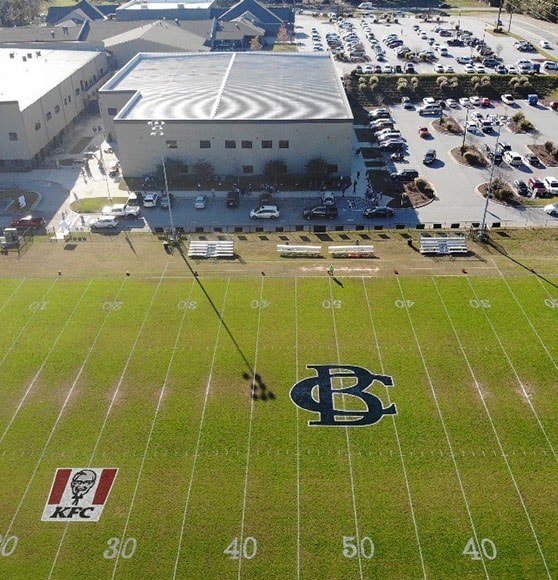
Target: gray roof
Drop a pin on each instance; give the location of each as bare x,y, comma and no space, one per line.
246,86
111,28
23,34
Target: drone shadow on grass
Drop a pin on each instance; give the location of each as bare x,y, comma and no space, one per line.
258,388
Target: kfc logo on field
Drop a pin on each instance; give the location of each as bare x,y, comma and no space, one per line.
79,494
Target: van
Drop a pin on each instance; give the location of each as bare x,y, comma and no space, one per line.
430,110
513,158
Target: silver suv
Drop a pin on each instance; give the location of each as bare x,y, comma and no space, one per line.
265,212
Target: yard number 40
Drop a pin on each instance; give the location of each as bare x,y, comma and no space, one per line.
487,549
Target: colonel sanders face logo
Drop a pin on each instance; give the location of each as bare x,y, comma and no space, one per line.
81,483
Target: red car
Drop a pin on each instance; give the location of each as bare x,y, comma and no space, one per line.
29,221
554,105
485,102
424,132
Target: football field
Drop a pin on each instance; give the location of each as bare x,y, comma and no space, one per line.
279,427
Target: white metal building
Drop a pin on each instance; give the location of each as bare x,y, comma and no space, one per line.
42,92
236,111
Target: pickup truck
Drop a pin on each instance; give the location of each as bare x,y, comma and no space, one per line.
121,210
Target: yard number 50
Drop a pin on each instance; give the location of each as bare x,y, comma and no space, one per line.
352,547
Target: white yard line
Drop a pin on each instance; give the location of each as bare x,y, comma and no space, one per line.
150,435
11,296
541,342
249,442
298,507
494,431
111,404
199,438
58,418
397,438
348,442
516,374
45,360
444,427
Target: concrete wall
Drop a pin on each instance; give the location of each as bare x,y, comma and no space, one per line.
139,153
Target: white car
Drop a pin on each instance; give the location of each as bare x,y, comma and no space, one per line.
472,126
551,184
200,201
449,69
103,223
508,99
465,102
439,68
469,68
121,210
551,209
550,65
452,103
475,101
150,199
368,69
265,212
545,43
511,69
464,59
479,68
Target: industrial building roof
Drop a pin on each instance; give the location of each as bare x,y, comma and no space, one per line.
37,71
231,87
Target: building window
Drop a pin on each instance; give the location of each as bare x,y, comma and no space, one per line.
230,144
112,111
65,101
205,144
246,144
13,136
283,144
48,116
247,169
37,125
57,109
172,144
267,144
77,92
69,98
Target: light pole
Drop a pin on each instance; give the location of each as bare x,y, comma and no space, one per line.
483,235
158,131
465,131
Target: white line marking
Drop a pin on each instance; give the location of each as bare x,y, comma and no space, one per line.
114,396
45,360
249,443
397,438
514,370
494,430
444,427
199,438
12,295
57,421
348,440
150,435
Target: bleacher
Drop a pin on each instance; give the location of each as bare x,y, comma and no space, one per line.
211,249
443,246
299,250
351,251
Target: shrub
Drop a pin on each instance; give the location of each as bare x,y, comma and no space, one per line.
518,117
525,125
504,194
549,146
424,187
473,158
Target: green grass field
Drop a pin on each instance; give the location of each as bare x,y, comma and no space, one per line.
142,375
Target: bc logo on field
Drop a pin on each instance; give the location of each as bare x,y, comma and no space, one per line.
79,494
337,404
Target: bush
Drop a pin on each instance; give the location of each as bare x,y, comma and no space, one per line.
526,126
505,195
518,117
473,158
424,187
549,146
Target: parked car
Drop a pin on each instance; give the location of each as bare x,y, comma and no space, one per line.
382,211
150,199
406,103
233,198
521,187
475,101
550,65
200,201
507,99
101,223
392,145
513,158
551,184
485,102
121,210
429,157
533,160
321,212
404,175
265,212
536,187
452,103
328,198
551,209
28,221
465,102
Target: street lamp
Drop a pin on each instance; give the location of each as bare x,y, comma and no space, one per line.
465,131
483,235
158,131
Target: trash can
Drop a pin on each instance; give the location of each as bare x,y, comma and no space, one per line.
533,99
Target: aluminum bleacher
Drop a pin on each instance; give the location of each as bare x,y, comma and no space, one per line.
211,249
443,245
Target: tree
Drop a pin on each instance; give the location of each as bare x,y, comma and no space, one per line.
317,170
274,169
18,12
203,170
256,43
283,34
